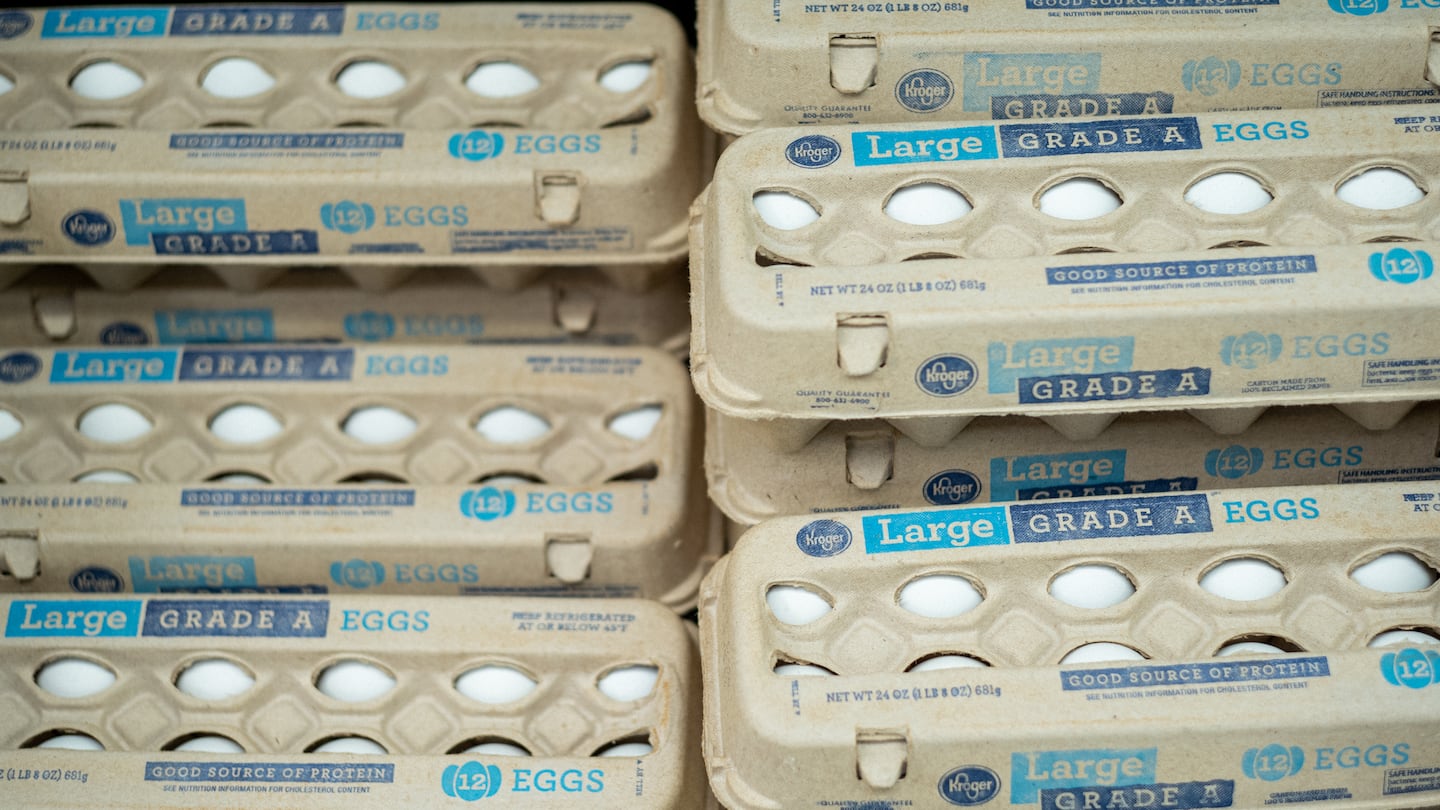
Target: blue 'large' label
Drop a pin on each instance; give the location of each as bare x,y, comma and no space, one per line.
1052,138
989,74
131,366
262,21
937,528
266,618
191,572
59,618
107,23
1051,521
924,146
1009,475
215,325
1034,771
1033,358
143,218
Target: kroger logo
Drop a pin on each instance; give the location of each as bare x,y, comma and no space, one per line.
969,785
1273,762
1234,461
358,574
1359,8
87,227
347,216
1210,75
96,579
813,151
476,145
1411,667
487,503
1402,266
17,367
369,326
823,538
946,375
470,781
924,90
952,487
14,23
1251,350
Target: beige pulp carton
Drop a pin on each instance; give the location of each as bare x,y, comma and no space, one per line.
384,138
427,651
846,313
868,464
800,62
457,469
1324,717
435,306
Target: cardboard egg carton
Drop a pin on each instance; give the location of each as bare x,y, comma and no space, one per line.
1156,305
578,509
869,464
1333,719
860,62
435,306
423,722
574,174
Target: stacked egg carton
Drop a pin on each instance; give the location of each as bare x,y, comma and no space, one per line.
900,311
422,175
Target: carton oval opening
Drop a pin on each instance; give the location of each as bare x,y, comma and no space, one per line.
929,202
369,79
106,476
1229,193
238,477
797,605
204,742
635,424
10,425
114,423
627,76
491,746
245,423
1078,199
629,683
1380,188
1244,579
509,424
73,677
7,83
501,80
372,477
378,424
631,745
790,668
1395,572
346,744
1397,636
352,680
1092,586
940,596
214,679
496,684
1257,644
106,80
1101,651
947,660
784,210
509,478
66,738
235,77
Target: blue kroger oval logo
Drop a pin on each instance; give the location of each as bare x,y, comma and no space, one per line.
347,216
924,90
1210,75
1359,8
1273,762
969,785
1234,461
946,375
471,781
96,580
823,538
359,574
369,326
487,503
87,227
476,145
813,151
14,23
1251,350
123,333
1402,266
952,487
17,367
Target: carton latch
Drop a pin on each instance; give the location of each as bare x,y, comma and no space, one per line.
575,310
14,197
853,60
869,459
881,757
54,313
20,554
862,343
568,558
557,198
1432,58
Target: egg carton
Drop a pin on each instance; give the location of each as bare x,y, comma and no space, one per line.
435,306
549,470
545,688
1156,305
869,464
839,63
579,169
930,657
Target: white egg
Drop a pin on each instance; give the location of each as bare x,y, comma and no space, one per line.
1078,198
211,744
496,748
927,204
1391,638
350,745
1248,648
1394,572
239,478
625,684
801,670
9,425
114,423
783,210
74,678
495,684
1092,586
74,742
626,76
795,605
936,662
6,84
1099,651
501,80
511,425
107,477
626,749
369,79
1380,189
1228,193
503,480
939,596
106,81
637,424
1243,579
355,681
214,679
378,424
236,77
245,424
